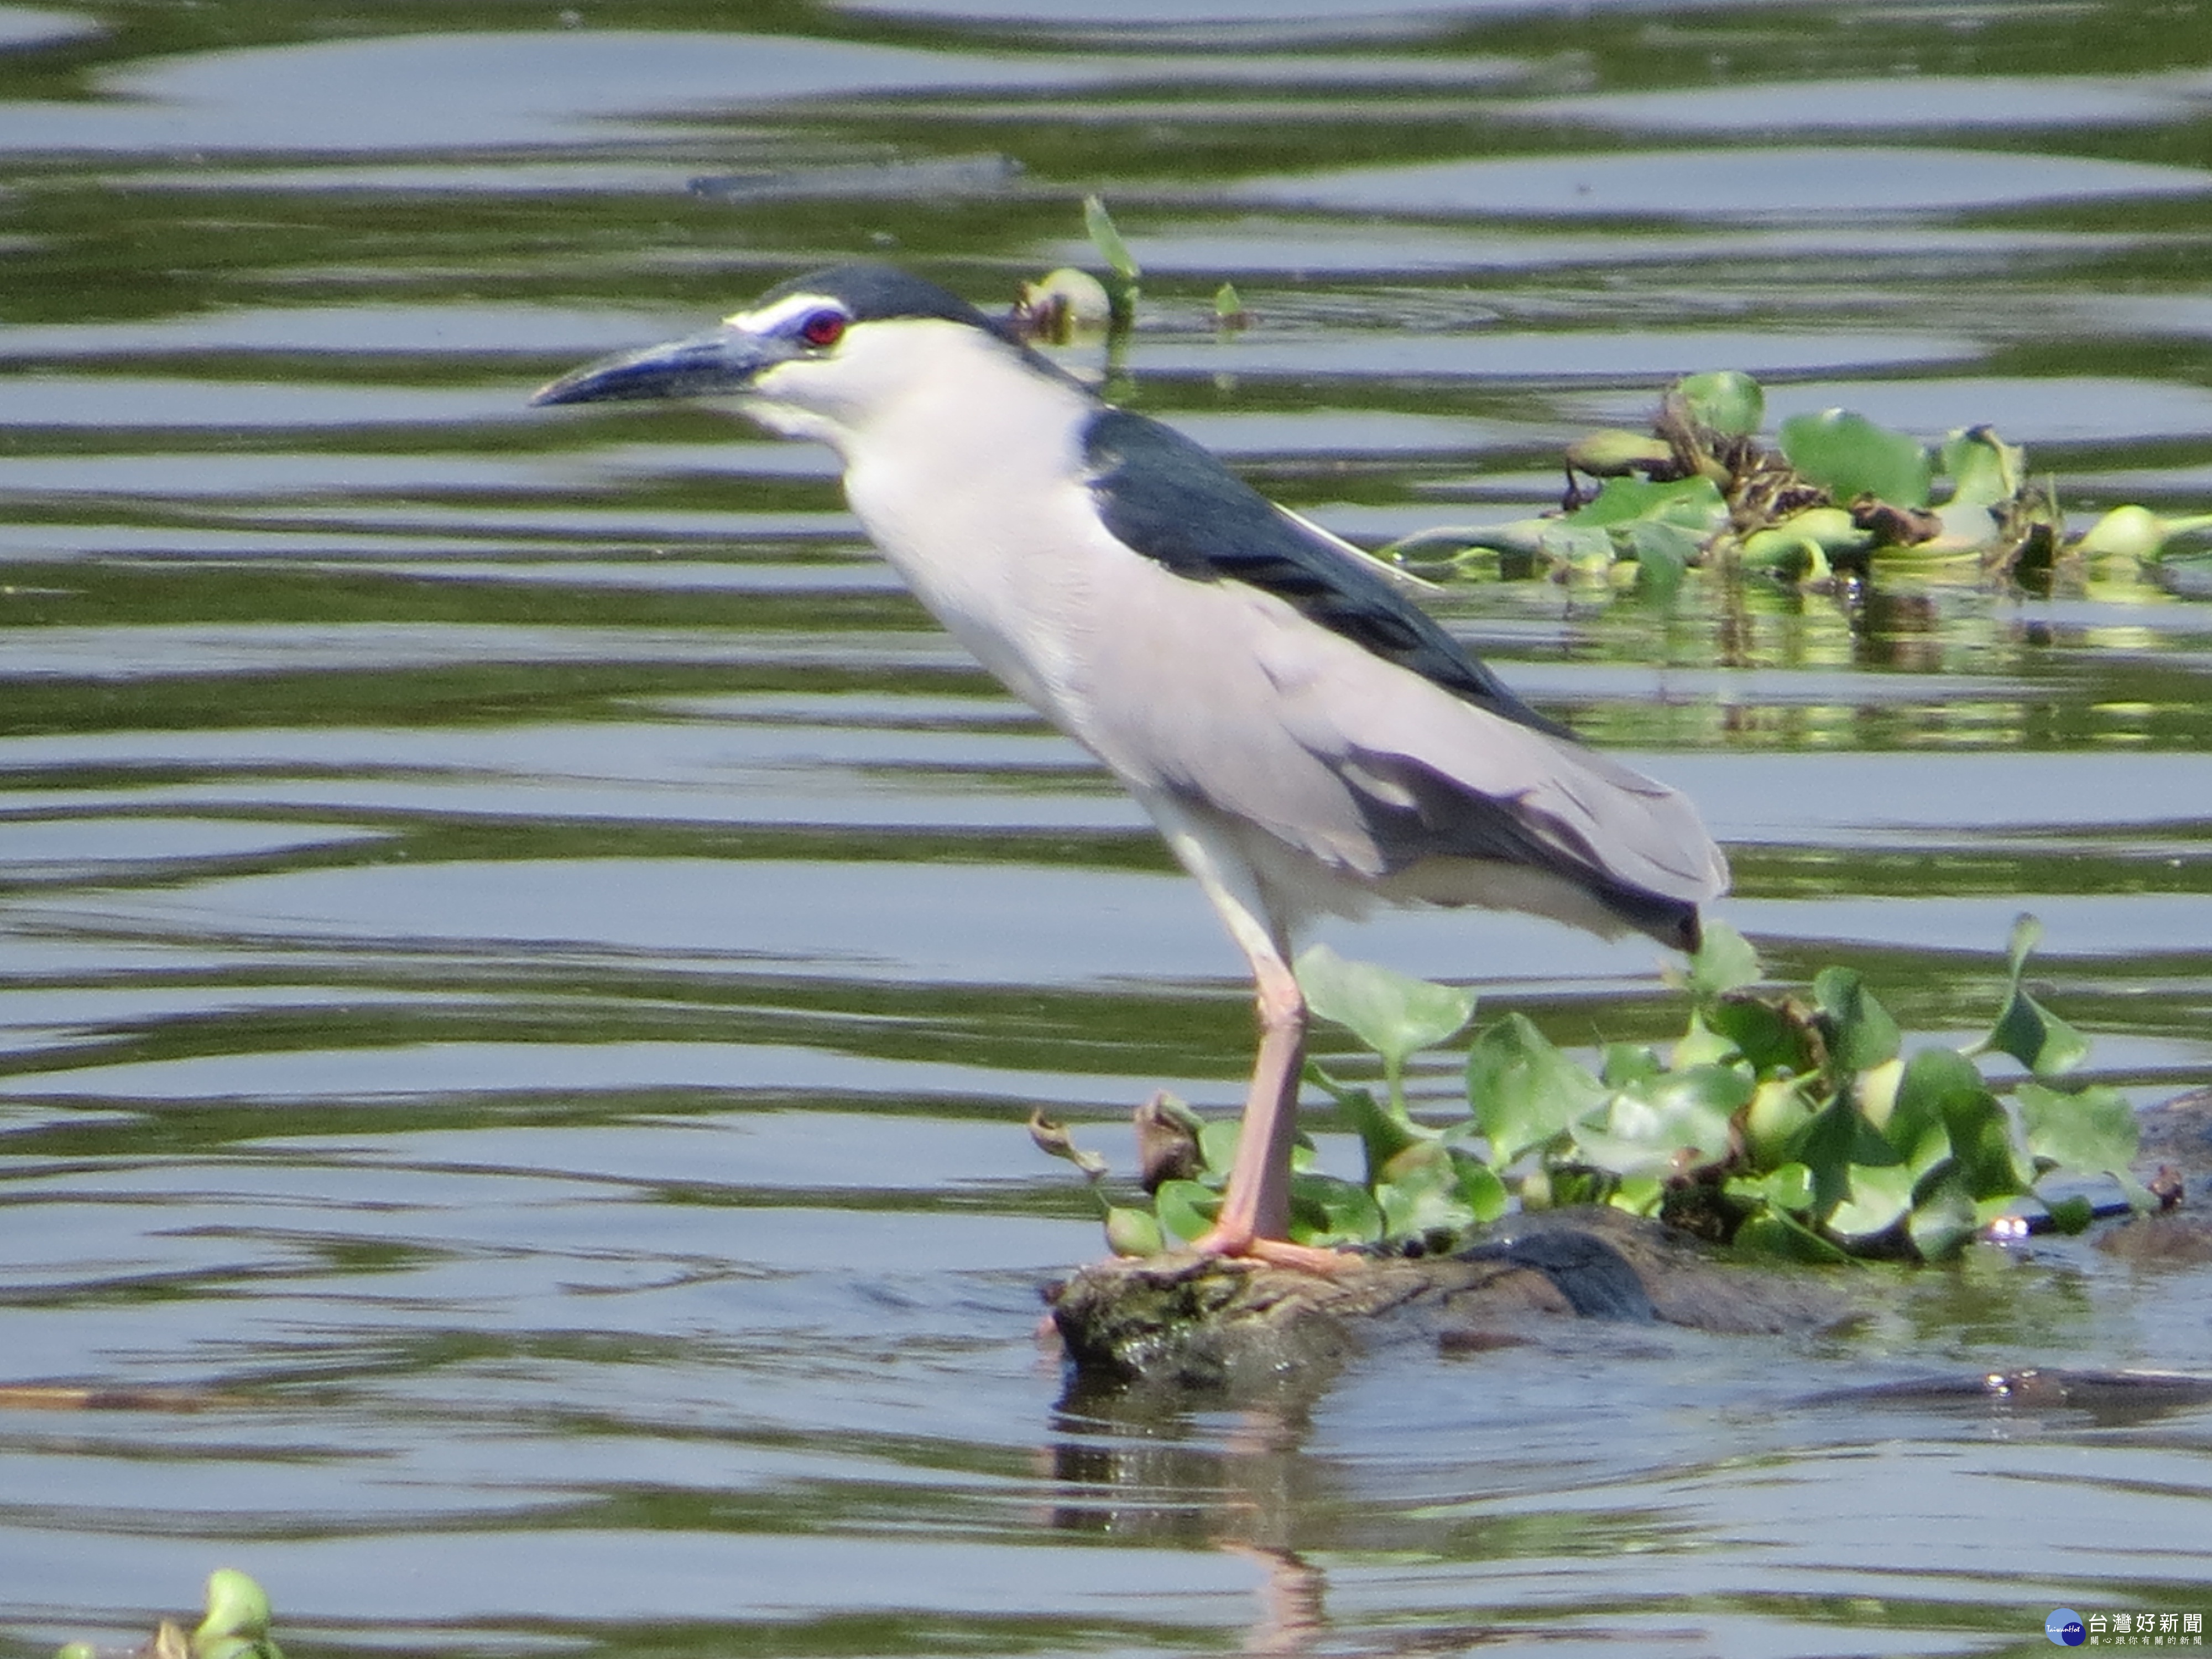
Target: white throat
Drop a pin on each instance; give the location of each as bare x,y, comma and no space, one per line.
965,466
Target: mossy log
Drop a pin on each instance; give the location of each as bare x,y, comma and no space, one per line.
1199,1322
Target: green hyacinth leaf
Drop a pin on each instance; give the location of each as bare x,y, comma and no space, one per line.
1680,1119
1612,453
2071,1214
1876,1197
1771,1235
1790,1187
1525,1091
2093,1130
1942,1221
1848,456
236,1606
1481,1188
1985,471
2036,1037
1663,554
1393,1013
1384,1135
1763,1033
2024,1029
1106,237
1864,1034
1419,1193
1725,400
1692,503
1186,1208
236,1625
1778,1112
1725,962
1990,1150
1700,1045
1134,1232
1989,1157
1628,1062
1324,1211
1217,1144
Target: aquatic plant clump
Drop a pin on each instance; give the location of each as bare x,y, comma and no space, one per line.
1786,1123
235,1626
1835,490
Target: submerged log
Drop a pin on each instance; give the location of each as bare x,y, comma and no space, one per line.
2175,1160
1200,1323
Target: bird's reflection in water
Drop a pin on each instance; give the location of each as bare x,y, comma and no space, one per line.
1147,1470
1291,1615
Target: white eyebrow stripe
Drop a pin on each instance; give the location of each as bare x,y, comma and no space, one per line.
789,308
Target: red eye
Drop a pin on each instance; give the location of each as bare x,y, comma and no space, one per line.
823,328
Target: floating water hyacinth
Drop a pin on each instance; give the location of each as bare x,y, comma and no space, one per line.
1787,1123
235,1626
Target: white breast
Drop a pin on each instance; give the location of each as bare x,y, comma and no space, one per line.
969,483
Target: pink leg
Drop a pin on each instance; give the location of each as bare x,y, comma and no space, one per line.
1255,1214
1259,1201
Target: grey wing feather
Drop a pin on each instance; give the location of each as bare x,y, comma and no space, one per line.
1379,776
1437,779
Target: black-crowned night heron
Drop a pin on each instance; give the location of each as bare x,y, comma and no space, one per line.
1306,738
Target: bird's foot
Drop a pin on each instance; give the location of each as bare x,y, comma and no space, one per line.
1237,1245
1301,1258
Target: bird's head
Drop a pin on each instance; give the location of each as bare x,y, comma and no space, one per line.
819,357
